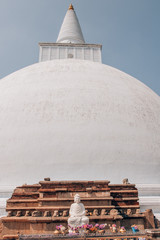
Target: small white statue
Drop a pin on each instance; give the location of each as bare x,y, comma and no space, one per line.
77,213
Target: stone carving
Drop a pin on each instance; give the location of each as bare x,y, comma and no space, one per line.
77,213
113,212
103,212
56,213
95,212
65,213
9,214
138,211
87,213
36,214
19,213
125,181
28,213
47,214
129,211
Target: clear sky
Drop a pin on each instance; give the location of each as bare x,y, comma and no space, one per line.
129,31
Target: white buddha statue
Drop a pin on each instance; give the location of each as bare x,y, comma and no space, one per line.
77,213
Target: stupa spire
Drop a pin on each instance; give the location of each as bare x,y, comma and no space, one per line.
71,7
70,31
70,43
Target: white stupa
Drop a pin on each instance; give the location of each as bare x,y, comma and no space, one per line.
71,117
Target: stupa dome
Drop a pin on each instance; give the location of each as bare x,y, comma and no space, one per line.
76,119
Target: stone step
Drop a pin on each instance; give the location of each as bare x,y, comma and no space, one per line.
22,200
126,199
124,191
55,219
58,199
62,208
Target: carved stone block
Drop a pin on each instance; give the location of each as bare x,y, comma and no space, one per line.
47,179
9,214
19,214
103,212
56,213
36,214
28,213
129,212
125,181
65,213
138,211
95,212
47,214
113,212
87,213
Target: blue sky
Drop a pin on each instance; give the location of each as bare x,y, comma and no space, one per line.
129,31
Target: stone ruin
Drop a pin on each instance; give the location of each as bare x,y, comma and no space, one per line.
38,208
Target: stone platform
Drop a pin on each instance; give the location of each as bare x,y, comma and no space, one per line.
141,235
128,235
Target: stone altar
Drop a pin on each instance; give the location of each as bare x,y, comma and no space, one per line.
38,208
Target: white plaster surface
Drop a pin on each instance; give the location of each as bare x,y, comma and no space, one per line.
148,189
73,119
3,206
83,52
149,197
5,194
70,31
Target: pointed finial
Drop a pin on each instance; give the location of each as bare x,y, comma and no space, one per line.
71,7
70,31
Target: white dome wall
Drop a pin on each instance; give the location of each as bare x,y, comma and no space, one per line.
71,119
